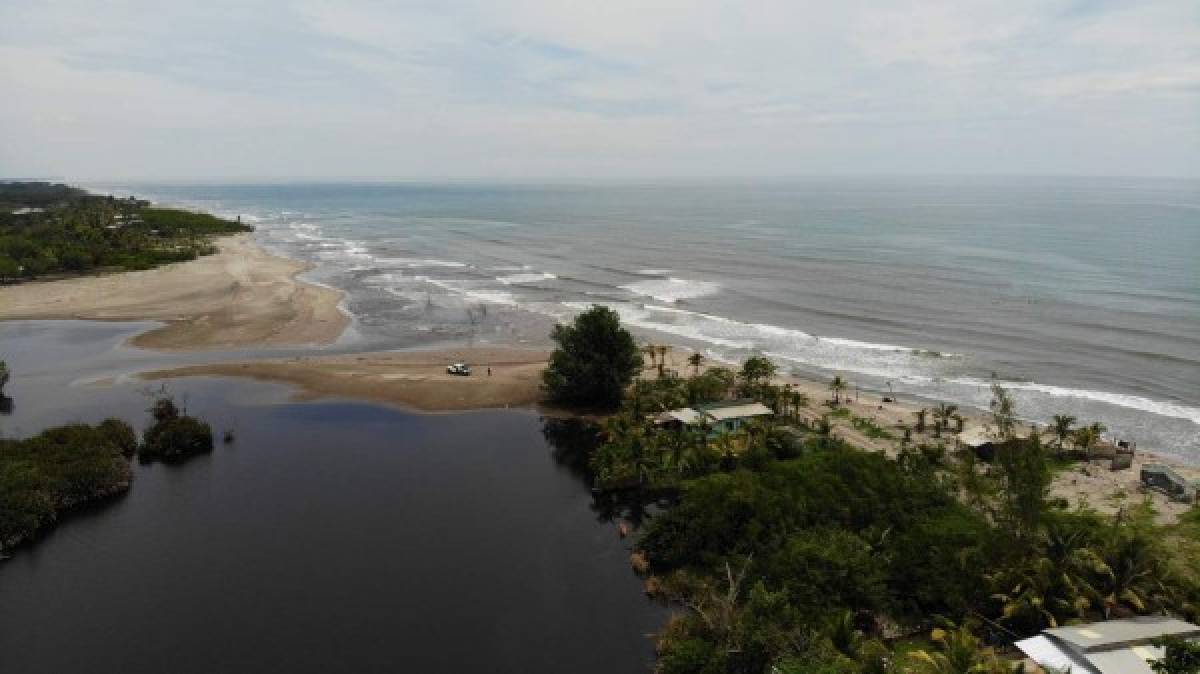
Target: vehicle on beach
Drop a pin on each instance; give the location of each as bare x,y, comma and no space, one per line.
460,369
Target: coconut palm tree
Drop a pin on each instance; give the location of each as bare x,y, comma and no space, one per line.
959,420
650,350
1062,428
696,360
920,414
941,417
663,350
838,386
1085,438
959,652
798,400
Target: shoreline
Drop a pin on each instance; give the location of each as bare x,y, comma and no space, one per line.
243,296
417,381
238,297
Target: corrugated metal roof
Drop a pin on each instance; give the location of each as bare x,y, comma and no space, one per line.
739,412
1110,647
686,415
1102,635
1125,660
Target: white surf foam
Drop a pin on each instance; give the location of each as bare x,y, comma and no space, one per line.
532,277
1140,403
673,289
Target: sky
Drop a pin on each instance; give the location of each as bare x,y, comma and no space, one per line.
611,89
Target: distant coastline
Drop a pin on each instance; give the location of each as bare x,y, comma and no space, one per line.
238,297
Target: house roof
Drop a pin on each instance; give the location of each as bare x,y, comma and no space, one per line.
738,411
1098,636
734,409
685,415
1110,647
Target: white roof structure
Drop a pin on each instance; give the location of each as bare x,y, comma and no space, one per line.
715,413
684,415
738,412
1110,647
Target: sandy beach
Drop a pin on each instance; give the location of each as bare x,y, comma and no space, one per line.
241,296
411,379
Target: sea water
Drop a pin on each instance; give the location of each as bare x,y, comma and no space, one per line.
1082,296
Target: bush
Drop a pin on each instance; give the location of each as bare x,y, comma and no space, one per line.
55,470
176,439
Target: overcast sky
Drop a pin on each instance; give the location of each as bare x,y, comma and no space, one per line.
605,89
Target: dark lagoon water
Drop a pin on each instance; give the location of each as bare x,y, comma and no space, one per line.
1082,295
330,537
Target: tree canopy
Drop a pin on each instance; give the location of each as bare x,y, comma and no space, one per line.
595,361
55,229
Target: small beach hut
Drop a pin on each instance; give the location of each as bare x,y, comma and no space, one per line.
722,417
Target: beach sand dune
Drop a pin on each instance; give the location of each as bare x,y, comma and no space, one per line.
240,296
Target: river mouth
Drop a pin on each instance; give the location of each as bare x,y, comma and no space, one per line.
331,536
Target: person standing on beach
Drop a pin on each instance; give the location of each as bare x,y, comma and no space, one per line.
489,370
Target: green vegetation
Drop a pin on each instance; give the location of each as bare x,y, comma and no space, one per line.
173,436
790,551
55,229
1182,657
595,360
63,467
58,469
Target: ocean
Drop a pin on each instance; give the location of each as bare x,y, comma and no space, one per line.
1082,296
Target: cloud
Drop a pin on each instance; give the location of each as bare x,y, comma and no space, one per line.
532,88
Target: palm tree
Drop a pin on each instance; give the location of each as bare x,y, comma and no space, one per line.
920,414
958,422
663,349
941,416
798,400
959,652
1062,428
696,360
1085,438
650,350
837,385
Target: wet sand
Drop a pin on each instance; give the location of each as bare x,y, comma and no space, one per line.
239,297
411,379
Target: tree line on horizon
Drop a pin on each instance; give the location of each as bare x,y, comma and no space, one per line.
50,229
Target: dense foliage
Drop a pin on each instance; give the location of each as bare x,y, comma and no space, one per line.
791,551
58,469
173,436
1181,657
62,467
595,360
55,229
